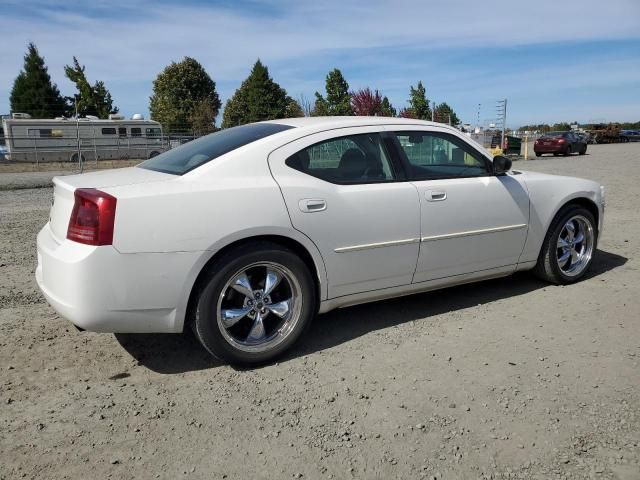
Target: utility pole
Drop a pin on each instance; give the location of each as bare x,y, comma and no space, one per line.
75,99
501,110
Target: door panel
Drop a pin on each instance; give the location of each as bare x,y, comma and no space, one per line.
481,224
368,234
471,220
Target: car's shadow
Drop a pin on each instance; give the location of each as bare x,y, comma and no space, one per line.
178,353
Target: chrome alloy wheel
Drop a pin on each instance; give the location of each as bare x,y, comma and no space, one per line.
575,245
259,307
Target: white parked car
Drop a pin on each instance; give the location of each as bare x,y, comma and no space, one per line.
246,234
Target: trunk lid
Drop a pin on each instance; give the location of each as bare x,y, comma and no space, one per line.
65,186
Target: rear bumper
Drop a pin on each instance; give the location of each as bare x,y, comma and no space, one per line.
549,148
101,290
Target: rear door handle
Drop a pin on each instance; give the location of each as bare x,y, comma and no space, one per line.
310,205
435,196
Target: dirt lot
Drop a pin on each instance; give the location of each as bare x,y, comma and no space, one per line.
510,378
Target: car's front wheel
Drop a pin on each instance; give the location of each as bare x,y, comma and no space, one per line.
568,247
254,304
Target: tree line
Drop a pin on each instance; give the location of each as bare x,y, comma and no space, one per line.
184,97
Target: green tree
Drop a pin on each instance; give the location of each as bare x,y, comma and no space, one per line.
418,104
444,114
258,98
184,97
92,99
561,127
203,117
386,109
338,98
294,109
33,92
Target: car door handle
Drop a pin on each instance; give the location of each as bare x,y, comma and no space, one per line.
435,196
310,205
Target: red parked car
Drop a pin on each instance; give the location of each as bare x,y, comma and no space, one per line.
560,143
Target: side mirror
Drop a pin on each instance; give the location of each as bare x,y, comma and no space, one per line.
501,164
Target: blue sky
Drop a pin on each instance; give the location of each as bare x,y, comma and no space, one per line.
553,61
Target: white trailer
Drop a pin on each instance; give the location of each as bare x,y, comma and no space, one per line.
62,140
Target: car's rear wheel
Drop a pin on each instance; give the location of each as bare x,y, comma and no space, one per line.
583,150
254,304
568,247
538,154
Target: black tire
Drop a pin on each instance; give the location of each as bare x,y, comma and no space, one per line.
583,151
538,154
208,328
74,158
548,267
568,151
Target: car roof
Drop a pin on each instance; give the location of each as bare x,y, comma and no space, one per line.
354,121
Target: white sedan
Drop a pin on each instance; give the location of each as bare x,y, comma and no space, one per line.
246,234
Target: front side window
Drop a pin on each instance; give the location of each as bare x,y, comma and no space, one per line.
345,160
433,155
153,132
185,158
122,131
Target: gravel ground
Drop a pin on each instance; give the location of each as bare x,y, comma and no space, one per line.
510,378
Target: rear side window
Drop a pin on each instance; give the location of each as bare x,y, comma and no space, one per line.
185,158
136,132
108,131
345,160
433,155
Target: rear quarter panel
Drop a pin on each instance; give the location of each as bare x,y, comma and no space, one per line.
204,211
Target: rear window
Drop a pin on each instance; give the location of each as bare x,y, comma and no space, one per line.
555,134
185,158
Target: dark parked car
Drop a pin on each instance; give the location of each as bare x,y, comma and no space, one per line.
560,143
630,135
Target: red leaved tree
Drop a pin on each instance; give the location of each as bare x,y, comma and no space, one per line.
364,102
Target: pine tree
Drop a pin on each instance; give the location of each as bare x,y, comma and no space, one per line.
258,98
91,99
443,113
33,92
418,104
338,98
185,97
386,109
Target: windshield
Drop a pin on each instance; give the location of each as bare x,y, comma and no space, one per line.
185,158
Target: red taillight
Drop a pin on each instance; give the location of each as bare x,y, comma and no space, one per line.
92,217
560,140
536,142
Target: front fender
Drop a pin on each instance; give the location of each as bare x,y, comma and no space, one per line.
548,194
